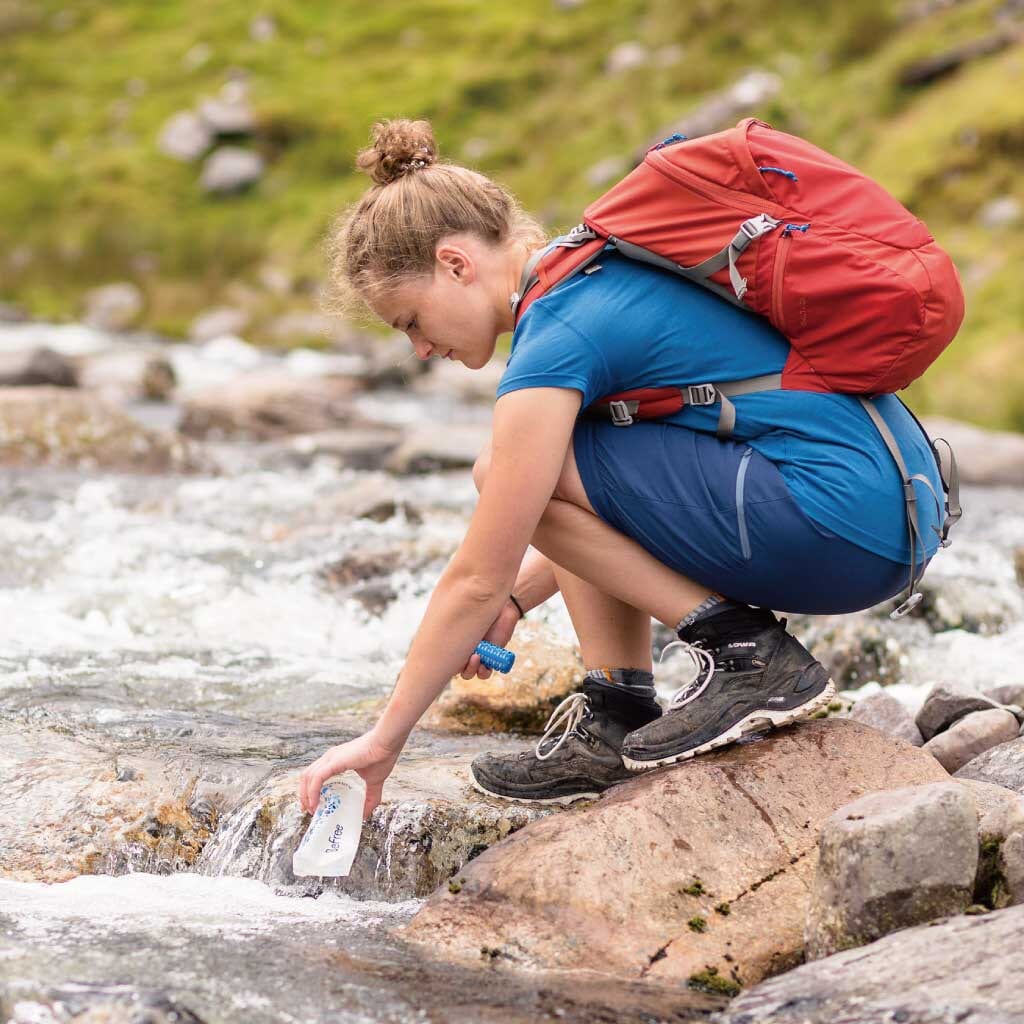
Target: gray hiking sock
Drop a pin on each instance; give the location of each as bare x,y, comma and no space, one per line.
709,606
636,681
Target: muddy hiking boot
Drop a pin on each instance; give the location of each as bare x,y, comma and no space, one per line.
753,675
579,755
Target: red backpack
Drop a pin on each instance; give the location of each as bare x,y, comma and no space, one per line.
864,294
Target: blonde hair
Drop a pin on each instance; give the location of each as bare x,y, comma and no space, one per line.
390,234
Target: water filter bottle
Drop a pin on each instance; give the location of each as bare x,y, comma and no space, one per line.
330,843
495,657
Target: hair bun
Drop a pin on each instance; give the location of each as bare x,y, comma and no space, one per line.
399,147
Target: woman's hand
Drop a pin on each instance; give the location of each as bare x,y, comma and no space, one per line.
500,633
366,755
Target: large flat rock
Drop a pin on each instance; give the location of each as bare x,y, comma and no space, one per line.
964,969
703,866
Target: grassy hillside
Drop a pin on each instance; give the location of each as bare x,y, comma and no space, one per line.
88,198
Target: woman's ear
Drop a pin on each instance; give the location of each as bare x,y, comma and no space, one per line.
456,263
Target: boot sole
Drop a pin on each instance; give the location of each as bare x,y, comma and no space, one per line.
756,721
570,798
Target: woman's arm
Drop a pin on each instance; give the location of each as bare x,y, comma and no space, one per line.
532,431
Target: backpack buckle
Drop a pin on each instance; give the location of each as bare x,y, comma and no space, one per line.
621,415
701,394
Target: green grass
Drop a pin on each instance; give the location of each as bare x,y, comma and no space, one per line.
88,198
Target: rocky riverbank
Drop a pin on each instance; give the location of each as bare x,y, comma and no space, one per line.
213,559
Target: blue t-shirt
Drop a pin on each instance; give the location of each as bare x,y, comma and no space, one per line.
630,325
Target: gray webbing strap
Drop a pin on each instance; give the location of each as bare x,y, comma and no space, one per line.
910,502
731,388
527,279
951,482
750,230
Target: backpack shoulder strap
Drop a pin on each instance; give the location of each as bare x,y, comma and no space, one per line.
530,277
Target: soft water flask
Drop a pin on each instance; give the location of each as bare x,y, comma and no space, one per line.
330,843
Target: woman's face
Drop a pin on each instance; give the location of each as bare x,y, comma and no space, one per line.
456,314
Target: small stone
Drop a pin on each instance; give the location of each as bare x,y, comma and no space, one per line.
884,712
970,736
263,28
1002,765
113,307
228,114
36,366
231,169
606,170
185,136
1000,212
626,57
476,148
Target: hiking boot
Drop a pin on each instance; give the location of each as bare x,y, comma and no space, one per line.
582,761
753,675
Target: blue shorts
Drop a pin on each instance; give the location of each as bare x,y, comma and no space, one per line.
721,514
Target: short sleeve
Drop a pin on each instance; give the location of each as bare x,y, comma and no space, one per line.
549,352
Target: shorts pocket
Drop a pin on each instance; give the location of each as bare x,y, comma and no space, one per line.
741,512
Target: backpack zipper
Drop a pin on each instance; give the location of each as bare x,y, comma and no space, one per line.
779,270
741,512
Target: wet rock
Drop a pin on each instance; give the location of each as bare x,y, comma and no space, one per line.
59,427
884,712
987,457
428,448
892,860
185,136
970,736
545,671
364,448
984,605
1000,878
114,307
36,366
858,648
723,109
214,323
946,703
429,826
266,404
963,969
90,1003
611,887
1002,765
127,374
359,566
230,169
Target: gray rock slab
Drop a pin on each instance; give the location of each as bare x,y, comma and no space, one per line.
885,713
1003,765
428,448
231,169
983,456
891,860
970,736
1000,878
964,969
946,703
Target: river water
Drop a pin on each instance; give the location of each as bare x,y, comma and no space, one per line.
200,624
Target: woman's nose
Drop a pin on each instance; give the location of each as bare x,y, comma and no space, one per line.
423,349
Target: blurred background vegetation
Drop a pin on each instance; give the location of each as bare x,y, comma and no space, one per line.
555,98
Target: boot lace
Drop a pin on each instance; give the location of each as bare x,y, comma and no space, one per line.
567,717
703,660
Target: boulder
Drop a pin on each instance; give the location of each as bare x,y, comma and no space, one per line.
428,448
545,671
946,703
860,647
891,860
691,873
61,427
353,447
230,169
267,404
227,115
444,377
32,367
987,457
884,712
185,136
964,969
113,307
1007,694
970,736
1002,765
1000,878
980,605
